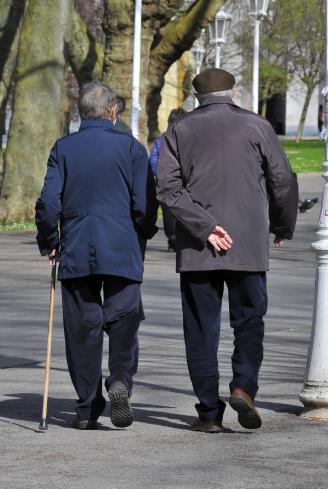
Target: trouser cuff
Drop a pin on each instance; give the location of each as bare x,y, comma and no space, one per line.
206,413
91,411
249,388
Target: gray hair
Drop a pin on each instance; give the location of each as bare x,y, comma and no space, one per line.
223,93
95,100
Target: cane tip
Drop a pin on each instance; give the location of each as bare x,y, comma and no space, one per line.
43,426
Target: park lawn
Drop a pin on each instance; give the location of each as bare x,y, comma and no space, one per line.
305,156
28,226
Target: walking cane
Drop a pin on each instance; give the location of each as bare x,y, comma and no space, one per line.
43,424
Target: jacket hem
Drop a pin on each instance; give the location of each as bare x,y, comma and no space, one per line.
65,276
237,268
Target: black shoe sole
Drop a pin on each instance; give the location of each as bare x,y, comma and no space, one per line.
247,417
122,414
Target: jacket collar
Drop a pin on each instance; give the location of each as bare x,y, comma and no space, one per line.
105,123
208,99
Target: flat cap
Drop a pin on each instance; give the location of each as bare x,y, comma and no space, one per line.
213,80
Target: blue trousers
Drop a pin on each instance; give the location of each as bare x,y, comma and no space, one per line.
201,303
92,305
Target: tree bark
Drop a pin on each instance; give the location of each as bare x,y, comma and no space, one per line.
84,53
265,99
300,129
119,29
118,26
172,41
11,14
35,123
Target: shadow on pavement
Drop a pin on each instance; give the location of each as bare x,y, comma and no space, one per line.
23,408
170,420
27,407
277,407
12,362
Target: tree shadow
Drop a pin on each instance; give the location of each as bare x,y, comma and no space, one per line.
169,420
26,407
278,407
23,408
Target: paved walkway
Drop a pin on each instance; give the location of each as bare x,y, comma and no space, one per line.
159,451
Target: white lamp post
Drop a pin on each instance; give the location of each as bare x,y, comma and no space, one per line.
218,31
257,9
136,70
198,51
314,395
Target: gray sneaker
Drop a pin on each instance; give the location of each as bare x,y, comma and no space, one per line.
121,410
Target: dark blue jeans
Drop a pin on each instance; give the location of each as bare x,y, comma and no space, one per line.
201,303
86,316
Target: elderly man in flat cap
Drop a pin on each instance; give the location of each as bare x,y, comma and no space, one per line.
225,178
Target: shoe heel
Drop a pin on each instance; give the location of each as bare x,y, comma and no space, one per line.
248,418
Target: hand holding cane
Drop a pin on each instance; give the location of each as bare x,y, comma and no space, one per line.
43,424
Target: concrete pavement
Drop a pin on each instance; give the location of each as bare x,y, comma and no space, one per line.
159,450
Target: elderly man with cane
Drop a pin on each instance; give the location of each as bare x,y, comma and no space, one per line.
225,178
100,189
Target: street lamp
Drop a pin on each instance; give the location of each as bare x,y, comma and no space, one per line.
218,31
198,51
136,70
314,394
257,9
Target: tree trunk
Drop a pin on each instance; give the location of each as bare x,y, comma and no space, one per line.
300,129
119,29
35,123
265,99
118,26
84,53
10,18
11,13
173,40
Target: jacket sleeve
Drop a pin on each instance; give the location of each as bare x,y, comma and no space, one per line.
48,207
154,154
282,187
173,193
144,201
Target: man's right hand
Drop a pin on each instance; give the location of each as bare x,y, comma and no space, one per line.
220,239
52,257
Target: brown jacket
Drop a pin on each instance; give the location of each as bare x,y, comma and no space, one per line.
223,165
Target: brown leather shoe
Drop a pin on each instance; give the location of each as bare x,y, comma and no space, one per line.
207,426
248,416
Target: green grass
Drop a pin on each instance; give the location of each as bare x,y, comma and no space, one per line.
306,156
27,226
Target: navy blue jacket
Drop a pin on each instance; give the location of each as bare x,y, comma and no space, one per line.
154,154
100,189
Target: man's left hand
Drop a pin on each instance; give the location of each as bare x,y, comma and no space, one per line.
279,243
